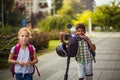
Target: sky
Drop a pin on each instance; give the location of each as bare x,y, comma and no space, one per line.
101,2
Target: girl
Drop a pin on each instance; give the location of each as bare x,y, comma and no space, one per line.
23,65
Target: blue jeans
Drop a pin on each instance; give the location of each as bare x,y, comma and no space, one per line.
20,76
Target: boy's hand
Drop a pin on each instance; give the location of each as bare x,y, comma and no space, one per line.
62,33
62,36
84,37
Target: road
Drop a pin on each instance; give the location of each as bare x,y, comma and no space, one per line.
52,67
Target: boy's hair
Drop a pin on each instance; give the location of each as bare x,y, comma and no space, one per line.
24,29
80,25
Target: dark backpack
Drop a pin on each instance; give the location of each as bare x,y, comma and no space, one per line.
72,51
73,45
16,51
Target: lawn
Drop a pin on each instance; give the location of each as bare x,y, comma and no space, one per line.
52,46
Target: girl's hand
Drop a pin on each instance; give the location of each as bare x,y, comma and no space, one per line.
21,63
28,63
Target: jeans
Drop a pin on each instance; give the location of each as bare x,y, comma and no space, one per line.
85,71
20,76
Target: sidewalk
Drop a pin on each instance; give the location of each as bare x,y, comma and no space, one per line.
52,67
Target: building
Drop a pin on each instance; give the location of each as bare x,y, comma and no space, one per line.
88,4
35,6
34,10
47,6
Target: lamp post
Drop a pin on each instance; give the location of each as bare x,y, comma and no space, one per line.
54,8
90,25
2,13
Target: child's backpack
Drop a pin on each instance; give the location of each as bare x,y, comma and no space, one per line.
31,52
73,45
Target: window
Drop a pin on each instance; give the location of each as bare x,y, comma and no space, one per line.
43,5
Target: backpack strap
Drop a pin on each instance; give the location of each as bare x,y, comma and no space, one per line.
15,55
31,51
17,48
16,51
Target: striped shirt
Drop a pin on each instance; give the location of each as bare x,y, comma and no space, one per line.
83,53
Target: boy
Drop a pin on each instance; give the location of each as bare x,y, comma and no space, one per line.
83,56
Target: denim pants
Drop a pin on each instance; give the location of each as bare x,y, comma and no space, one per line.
85,71
20,76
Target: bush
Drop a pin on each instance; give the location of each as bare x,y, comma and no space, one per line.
40,40
7,41
7,29
54,35
54,23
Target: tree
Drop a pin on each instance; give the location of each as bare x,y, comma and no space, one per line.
107,16
82,17
7,7
58,4
70,8
12,13
66,8
77,6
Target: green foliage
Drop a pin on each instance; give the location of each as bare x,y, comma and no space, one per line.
7,8
54,34
15,18
66,8
6,41
11,15
77,6
40,40
107,17
7,29
53,23
58,4
82,18
70,8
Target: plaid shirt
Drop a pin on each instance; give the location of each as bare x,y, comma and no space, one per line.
83,53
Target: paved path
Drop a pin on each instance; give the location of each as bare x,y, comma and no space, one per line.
52,67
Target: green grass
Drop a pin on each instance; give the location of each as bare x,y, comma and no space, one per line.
52,46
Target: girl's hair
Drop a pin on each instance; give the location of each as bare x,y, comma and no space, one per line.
80,25
24,29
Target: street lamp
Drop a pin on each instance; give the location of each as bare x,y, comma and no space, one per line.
54,8
2,14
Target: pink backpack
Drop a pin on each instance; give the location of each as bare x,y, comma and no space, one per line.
16,51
